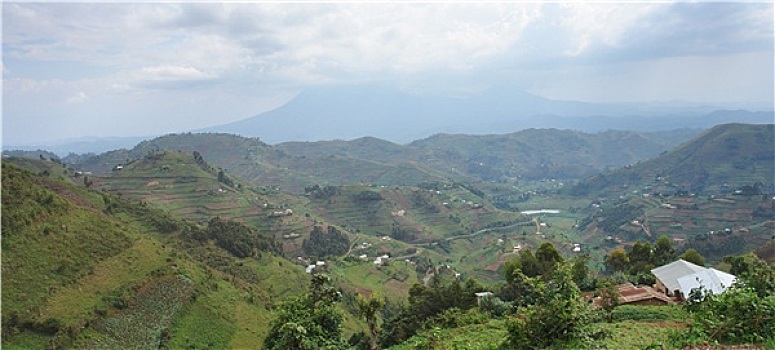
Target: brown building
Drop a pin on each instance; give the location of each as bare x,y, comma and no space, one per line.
640,295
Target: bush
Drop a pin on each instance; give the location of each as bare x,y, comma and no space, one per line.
454,317
495,307
560,318
744,313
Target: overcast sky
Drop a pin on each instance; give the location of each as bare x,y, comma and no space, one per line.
72,70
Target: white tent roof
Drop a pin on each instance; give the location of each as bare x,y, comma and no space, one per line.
670,273
711,279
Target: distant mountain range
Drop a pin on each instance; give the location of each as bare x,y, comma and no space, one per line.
357,111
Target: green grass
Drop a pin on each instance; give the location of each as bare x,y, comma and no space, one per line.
252,325
638,335
487,336
111,279
393,280
650,313
145,323
27,340
49,241
207,323
77,301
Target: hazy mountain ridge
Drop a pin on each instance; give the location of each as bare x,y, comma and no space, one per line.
532,153
528,154
350,112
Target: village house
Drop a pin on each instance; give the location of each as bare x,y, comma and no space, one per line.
630,294
680,277
668,275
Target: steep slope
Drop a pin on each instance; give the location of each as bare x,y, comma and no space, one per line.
87,270
713,194
722,160
188,186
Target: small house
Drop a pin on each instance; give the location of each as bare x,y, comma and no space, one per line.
640,295
712,280
680,277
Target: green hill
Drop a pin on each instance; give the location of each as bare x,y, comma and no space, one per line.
88,270
536,154
713,193
530,154
414,217
722,160
186,185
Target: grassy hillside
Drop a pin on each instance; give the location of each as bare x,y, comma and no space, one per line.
83,269
540,153
720,161
712,194
213,300
428,222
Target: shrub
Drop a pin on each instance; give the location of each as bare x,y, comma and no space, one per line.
744,313
495,307
560,318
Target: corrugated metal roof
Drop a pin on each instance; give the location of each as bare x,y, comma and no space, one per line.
711,279
670,273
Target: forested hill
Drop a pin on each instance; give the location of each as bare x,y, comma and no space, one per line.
724,159
530,154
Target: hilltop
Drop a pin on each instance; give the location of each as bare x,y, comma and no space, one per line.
531,155
723,159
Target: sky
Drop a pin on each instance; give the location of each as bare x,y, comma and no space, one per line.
134,69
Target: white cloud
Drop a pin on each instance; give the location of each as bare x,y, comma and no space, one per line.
78,98
121,56
592,24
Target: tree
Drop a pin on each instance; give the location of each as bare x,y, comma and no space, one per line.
694,257
641,258
559,319
548,257
617,260
640,252
368,308
521,289
427,302
580,271
742,314
526,262
308,322
663,251
609,298
322,244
